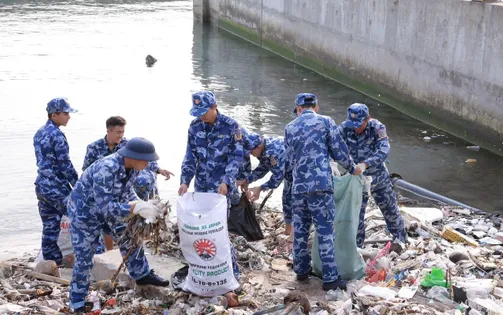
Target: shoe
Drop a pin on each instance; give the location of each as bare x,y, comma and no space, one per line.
305,276
152,279
334,285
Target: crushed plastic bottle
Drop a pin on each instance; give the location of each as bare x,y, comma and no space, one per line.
95,299
335,295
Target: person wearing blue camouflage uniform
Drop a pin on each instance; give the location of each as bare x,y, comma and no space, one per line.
369,145
214,152
56,175
310,141
145,184
99,202
244,171
270,151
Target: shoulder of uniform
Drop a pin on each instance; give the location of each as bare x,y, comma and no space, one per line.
229,121
378,128
374,123
195,122
96,143
344,126
56,133
292,123
109,163
327,120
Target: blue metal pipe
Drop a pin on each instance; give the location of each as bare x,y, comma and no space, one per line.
398,182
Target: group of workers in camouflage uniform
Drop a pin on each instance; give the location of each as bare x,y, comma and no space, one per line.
119,176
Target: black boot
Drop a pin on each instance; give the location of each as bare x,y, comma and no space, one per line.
305,276
88,306
334,285
152,279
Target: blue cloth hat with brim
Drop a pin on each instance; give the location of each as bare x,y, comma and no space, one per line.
251,141
139,149
201,102
305,99
357,113
59,105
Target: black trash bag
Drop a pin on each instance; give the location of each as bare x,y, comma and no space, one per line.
242,221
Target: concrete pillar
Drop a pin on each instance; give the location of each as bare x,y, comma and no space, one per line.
202,10
197,8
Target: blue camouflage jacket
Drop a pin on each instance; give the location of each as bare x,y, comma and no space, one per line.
272,159
370,147
56,174
310,141
99,149
214,154
104,190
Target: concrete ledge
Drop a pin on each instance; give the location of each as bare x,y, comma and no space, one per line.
107,263
368,48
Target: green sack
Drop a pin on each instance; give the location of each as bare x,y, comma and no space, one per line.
348,191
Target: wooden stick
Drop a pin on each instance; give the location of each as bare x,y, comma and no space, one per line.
114,277
264,201
41,276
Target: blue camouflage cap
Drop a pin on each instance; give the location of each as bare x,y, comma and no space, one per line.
305,99
357,113
59,105
252,141
201,102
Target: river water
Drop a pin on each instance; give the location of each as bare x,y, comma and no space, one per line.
93,52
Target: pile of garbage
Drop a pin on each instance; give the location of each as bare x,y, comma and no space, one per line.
450,265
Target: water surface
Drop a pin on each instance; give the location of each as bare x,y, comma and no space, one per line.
93,52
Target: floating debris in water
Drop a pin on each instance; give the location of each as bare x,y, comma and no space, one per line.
149,60
475,148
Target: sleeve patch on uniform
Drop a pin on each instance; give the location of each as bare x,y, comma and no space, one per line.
382,133
273,161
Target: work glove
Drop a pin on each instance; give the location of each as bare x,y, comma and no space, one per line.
147,211
362,167
367,184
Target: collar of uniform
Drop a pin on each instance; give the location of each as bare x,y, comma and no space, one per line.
209,127
122,168
104,142
50,122
307,111
268,152
107,148
365,132
219,119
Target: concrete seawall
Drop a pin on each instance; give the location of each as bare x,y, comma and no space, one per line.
438,61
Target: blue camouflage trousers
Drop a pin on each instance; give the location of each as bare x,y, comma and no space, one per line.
317,207
51,211
385,198
145,185
287,202
85,234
